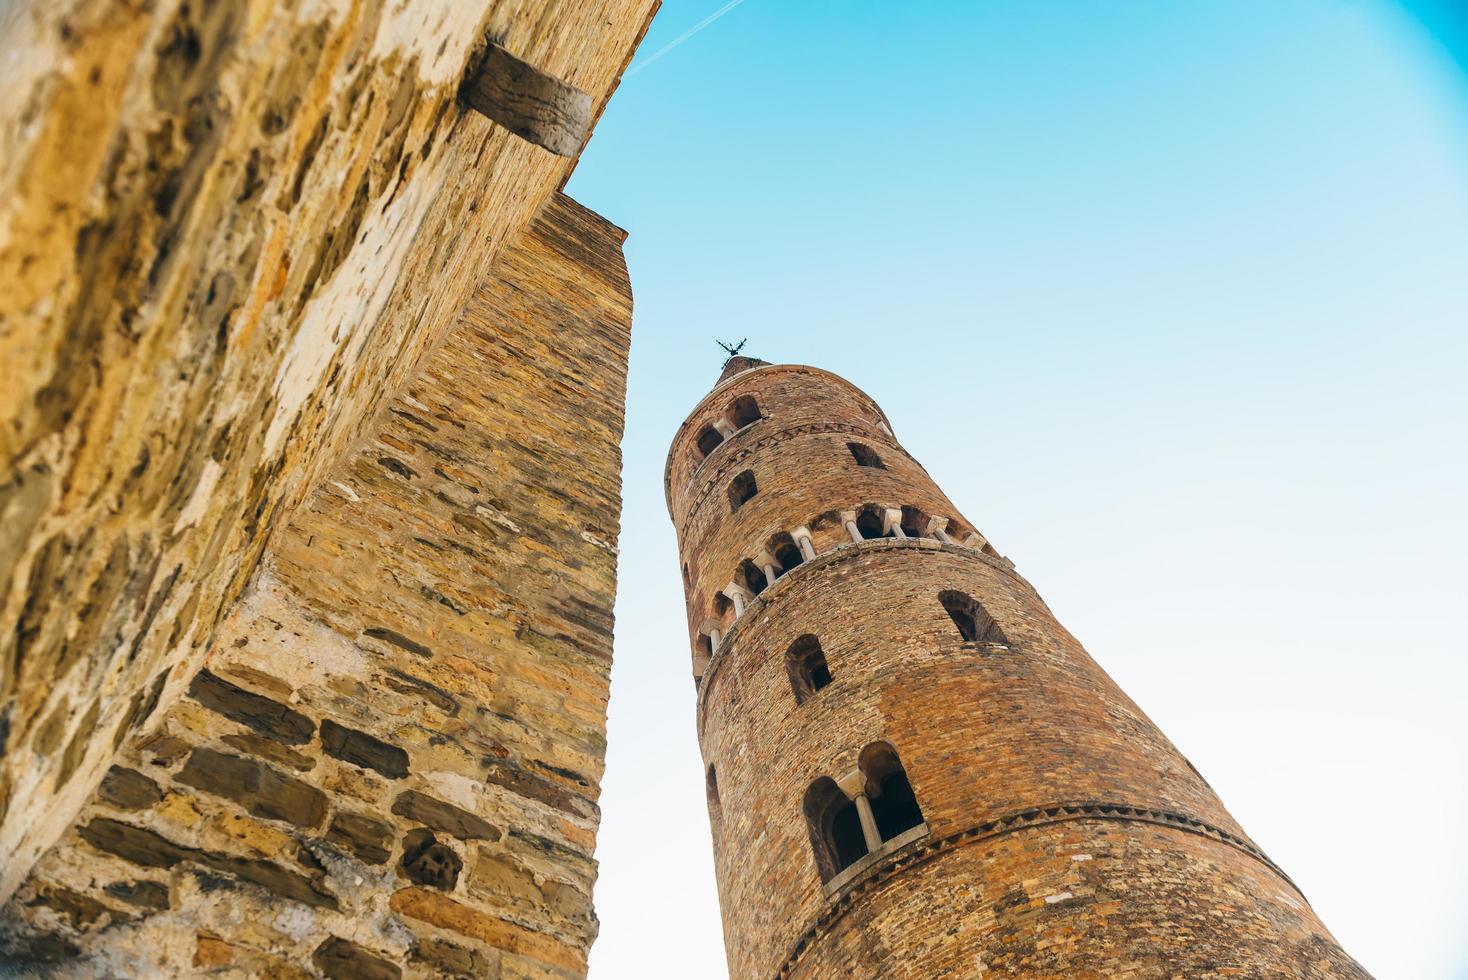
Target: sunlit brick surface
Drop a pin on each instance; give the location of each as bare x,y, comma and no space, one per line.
1063,833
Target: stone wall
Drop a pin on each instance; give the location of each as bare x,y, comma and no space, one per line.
1060,834
228,231
390,762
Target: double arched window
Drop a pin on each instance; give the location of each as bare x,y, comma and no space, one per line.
865,812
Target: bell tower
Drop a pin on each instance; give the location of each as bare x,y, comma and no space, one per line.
913,770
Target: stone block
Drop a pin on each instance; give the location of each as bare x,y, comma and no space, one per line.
369,839
255,711
444,817
129,789
362,749
341,959
255,786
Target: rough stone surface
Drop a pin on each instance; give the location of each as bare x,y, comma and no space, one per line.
428,862
460,612
1061,834
229,232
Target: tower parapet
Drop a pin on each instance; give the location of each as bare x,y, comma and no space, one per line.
913,770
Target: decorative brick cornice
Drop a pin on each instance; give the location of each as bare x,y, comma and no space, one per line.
768,437
928,848
840,553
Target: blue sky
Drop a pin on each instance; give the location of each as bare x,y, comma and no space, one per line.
1172,299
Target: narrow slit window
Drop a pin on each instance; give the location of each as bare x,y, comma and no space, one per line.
712,786
865,455
974,624
741,489
808,669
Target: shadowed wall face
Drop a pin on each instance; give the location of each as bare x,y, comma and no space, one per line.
953,784
392,759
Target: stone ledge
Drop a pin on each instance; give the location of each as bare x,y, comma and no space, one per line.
800,426
912,854
858,869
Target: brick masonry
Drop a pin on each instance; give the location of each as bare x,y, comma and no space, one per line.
390,763
229,232
1062,834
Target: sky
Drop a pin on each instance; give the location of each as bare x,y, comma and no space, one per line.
1172,300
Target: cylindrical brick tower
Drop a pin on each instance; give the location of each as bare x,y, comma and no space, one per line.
912,769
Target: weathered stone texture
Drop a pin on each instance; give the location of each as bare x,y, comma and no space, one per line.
1061,832
393,761
229,231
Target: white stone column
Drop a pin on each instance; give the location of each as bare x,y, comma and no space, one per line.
868,822
725,429
714,637
848,518
738,596
892,521
804,543
766,562
938,528
853,784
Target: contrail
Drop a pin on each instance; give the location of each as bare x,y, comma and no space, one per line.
683,37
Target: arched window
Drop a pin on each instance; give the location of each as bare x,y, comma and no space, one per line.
708,440
744,411
914,523
894,806
869,525
742,488
974,624
711,785
703,652
806,662
865,455
786,552
754,579
722,605
835,828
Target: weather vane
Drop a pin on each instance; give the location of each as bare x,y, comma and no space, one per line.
732,349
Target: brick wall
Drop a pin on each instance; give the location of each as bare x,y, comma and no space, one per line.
390,762
229,231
